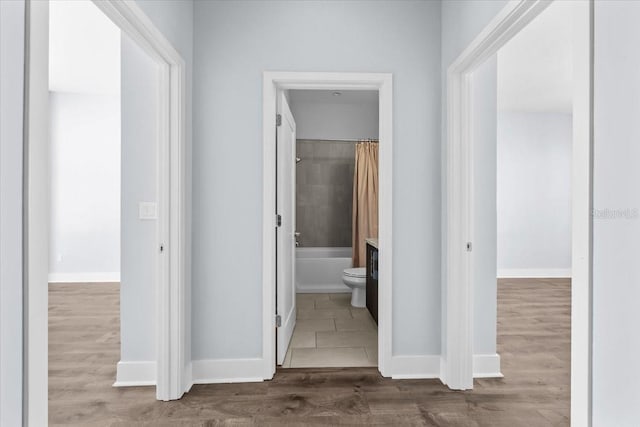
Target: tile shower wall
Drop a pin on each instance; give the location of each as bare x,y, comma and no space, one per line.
324,191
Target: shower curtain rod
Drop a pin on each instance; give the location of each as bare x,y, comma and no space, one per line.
340,140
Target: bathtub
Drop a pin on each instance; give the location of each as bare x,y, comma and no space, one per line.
319,270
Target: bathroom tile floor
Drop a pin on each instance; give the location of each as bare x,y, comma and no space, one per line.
330,333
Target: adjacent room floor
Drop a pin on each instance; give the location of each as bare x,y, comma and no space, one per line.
330,332
533,340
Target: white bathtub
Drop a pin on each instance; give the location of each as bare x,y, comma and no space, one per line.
319,270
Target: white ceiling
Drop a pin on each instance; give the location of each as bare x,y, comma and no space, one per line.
535,70
84,49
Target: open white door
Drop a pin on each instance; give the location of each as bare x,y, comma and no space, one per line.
285,235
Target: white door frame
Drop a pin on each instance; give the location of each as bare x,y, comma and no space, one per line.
272,82
458,281
172,378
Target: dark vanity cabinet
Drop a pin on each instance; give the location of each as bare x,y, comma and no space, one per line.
372,281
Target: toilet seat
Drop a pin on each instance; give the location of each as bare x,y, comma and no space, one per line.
360,272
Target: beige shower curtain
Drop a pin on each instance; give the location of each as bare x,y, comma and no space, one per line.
365,199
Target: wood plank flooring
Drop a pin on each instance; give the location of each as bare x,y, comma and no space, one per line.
533,340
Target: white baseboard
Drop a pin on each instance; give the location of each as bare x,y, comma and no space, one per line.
534,273
213,371
322,289
133,374
87,277
406,367
486,366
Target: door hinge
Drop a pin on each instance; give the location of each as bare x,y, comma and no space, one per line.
278,320
469,247
278,220
278,119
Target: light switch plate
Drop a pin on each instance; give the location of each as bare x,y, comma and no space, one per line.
147,210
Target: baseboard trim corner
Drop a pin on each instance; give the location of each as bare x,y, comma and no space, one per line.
415,367
486,366
135,374
215,371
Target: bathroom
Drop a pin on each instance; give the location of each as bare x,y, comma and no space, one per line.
336,147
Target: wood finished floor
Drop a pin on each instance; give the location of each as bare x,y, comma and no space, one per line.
533,340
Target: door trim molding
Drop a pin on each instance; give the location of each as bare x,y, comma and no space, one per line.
457,319
457,312
272,82
172,334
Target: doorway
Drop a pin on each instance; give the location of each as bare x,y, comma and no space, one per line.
85,187
328,215
532,207
459,233
274,84
168,370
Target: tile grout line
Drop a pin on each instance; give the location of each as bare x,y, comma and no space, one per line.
333,318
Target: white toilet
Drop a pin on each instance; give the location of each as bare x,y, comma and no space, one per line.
356,279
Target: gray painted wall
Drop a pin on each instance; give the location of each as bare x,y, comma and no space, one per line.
322,115
11,120
616,270
234,43
485,99
534,191
174,18
324,193
139,184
